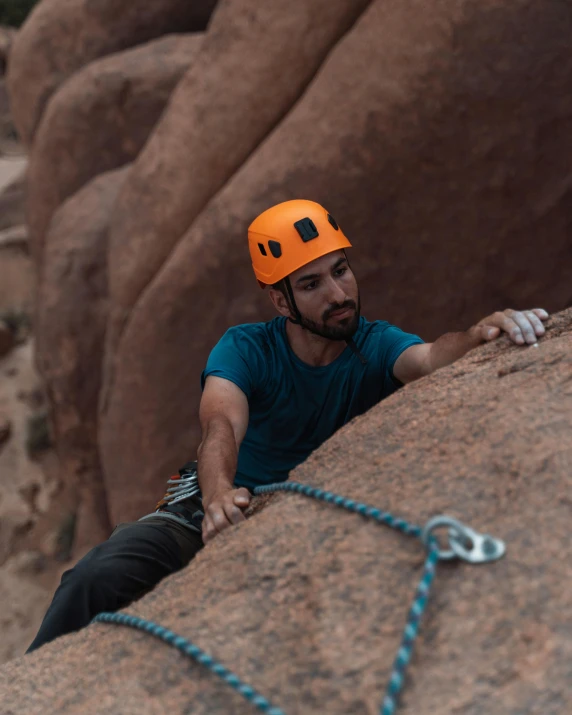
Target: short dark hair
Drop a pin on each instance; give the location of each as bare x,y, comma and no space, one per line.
280,286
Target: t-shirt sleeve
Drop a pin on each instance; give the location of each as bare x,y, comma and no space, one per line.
395,342
238,358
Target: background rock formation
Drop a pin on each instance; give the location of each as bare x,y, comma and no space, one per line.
61,36
438,139
426,168
100,120
307,602
69,356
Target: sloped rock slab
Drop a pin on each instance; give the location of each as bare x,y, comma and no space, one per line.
307,602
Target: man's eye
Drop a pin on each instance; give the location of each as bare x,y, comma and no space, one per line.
341,271
311,285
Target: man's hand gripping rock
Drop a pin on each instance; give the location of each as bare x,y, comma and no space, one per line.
224,509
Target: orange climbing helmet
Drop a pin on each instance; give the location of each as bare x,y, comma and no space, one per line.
289,235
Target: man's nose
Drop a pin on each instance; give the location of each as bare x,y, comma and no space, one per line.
336,295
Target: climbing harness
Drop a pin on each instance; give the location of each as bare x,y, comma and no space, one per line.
464,543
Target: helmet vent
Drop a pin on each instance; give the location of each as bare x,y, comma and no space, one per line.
275,248
307,229
262,249
333,221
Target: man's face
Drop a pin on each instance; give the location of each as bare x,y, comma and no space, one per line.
327,297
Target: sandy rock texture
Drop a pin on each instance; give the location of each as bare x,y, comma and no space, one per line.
62,36
307,602
17,276
35,514
27,489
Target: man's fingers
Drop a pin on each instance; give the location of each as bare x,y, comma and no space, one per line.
489,332
522,326
541,313
242,497
209,531
510,325
218,517
525,326
233,513
536,323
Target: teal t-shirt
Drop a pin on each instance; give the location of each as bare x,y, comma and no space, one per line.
294,407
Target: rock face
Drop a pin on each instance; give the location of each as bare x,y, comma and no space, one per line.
99,121
27,490
61,36
12,201
17,275
7,338
307,602
426,167
75,290
416,124
7,35
256,61
5,429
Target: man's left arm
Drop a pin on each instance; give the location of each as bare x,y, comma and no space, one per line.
523,327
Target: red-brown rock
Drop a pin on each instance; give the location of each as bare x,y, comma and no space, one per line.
60,36
7,338
256,61
307,603
70,328
99,120
437,163
7,35
5,429
12,204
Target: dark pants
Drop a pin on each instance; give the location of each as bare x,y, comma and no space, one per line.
129,564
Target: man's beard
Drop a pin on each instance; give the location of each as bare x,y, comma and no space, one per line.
344,331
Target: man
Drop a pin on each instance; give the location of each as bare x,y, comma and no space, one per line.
272,393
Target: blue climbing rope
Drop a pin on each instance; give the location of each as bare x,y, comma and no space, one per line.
190,649
383,517
488,549
389,703
395,685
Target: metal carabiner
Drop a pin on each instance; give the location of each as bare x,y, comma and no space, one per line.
464,542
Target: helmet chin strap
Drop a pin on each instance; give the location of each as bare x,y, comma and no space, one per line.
351,343
355,350
294,308
297,320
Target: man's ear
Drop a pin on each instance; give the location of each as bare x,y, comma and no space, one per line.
279,301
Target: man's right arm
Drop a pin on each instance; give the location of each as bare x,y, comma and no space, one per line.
223,415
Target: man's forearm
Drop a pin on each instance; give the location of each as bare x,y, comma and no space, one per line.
217,459
452,346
